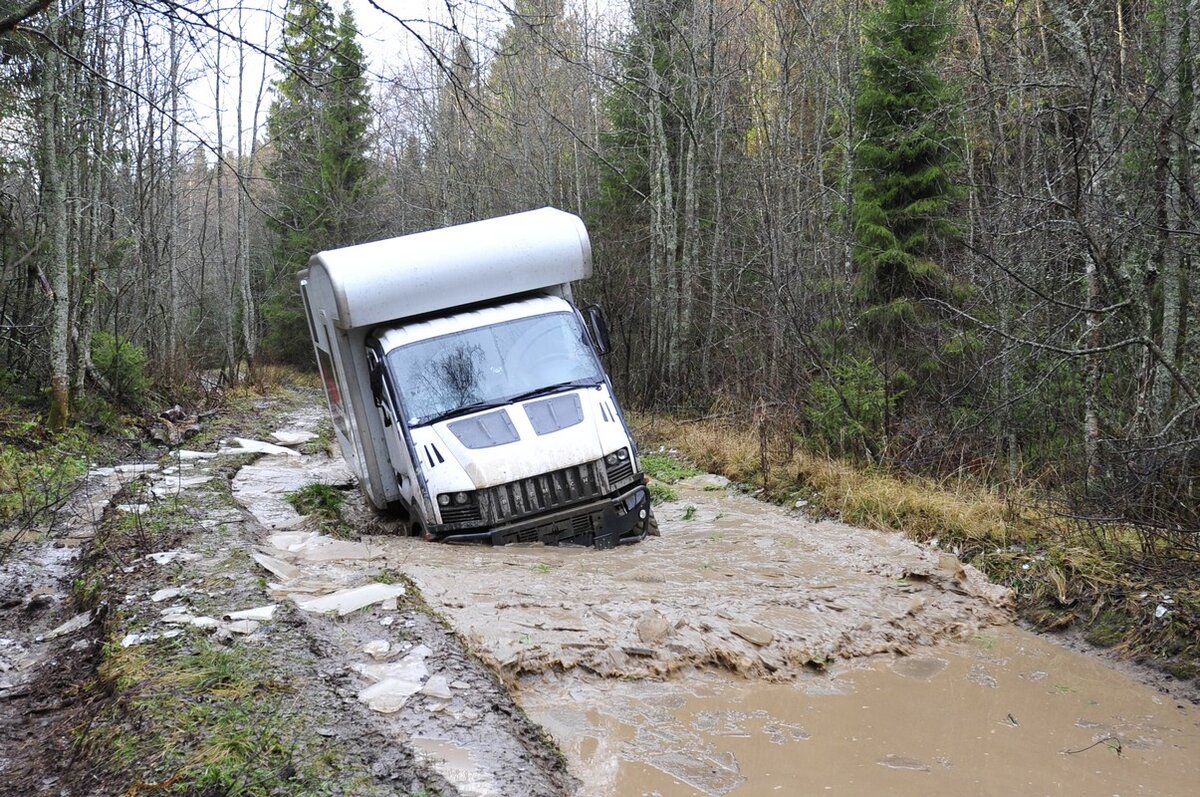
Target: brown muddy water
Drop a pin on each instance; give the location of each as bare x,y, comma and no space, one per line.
751,651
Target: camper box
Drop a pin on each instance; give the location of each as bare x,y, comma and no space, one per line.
465,387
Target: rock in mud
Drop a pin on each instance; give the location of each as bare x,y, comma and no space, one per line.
652,627
948,563
754,634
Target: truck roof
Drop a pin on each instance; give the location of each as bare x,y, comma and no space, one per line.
397,278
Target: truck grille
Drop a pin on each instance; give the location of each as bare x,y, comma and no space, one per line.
619,473
460,514
560,488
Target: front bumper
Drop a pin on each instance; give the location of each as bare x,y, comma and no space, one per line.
618,520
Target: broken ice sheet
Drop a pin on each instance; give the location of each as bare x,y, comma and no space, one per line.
240,626
437,687
74,624
258,613
345,601
136,639
292,438
394,683
166,557
242,445
277,567
310,546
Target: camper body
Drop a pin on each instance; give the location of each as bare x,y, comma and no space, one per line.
465,387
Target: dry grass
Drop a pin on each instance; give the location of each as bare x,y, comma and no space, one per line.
970,516
269,379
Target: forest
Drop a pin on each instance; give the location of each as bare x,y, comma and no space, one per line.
933,238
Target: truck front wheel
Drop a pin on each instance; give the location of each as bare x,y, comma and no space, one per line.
652,525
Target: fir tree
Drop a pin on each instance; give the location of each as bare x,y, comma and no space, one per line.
904,165
903,184
317,131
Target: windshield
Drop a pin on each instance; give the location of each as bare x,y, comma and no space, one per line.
491,365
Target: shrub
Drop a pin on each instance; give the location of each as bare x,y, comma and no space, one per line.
123,364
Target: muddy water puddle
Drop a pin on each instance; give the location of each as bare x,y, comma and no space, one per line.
750,651
996,715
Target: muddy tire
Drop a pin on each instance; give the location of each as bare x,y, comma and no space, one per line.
652,525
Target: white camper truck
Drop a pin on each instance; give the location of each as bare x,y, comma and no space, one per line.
465,387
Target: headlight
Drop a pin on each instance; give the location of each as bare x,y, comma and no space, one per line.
444,499
617,456
460,498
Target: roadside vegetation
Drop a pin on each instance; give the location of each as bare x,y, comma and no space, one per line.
323,503
38,474
1122,587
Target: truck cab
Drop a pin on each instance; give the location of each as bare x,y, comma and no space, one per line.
476,404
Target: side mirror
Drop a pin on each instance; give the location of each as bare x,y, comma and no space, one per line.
599,330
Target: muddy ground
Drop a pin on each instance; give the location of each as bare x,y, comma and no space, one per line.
749,650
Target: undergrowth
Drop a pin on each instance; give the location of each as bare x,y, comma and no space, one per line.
1142,599
38,472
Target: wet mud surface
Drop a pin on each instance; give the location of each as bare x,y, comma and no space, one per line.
738,586
751,651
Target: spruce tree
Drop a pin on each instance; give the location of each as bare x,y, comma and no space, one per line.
318,167
903,169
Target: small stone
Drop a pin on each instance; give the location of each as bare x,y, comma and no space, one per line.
459,685
754,634
377,648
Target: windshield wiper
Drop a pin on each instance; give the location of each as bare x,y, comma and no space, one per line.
555,388
465,409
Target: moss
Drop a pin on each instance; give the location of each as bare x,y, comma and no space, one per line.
1108,629
194,717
